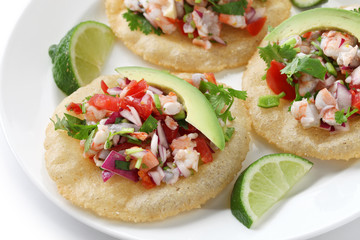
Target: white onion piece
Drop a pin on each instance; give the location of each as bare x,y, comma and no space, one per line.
162,137
139,154
136,115
103,153
116,139
145,98
171,176
259,13
162,153
343,97
120,126
183,169
342,128
114,91
154,144
219,40
250,14
157,175
155,90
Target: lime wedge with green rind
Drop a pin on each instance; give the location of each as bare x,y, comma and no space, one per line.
80,55
265,182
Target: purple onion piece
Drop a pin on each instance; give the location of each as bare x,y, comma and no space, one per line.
113,116
250,14
341,42
161,134
155,90
114,91
109,164
106,175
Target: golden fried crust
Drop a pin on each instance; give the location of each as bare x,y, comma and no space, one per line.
79,180
280,128
177,52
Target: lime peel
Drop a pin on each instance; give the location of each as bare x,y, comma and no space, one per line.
265,182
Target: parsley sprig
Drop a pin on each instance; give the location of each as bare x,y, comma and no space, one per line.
221,98
137,21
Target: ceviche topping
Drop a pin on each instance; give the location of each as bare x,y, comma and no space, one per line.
320,73
199,20
139,132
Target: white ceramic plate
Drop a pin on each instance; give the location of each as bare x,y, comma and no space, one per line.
327,197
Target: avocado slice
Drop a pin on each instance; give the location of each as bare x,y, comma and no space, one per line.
317,19
200,113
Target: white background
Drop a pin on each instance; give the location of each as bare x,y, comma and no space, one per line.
26,213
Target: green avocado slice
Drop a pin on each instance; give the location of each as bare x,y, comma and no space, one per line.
200,113
317,19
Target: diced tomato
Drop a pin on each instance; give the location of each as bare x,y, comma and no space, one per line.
306,35
123,146
191,129
104,87
137,89
149,161
277,81
210,77
355,100
180,23
75,107
170,134
146,180
255,27
144,108
203,148
102,101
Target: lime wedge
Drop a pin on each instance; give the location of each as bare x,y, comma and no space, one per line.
263,183
307,3
80,55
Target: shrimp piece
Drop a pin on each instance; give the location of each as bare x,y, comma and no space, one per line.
329,116
140,135
333,42
155,16
324,100
133,5
349,58
100,138
171,123
306,113
208,25
94,114
328,82
206,44
169,104
354,78
183,142
307,83
236,21
188,158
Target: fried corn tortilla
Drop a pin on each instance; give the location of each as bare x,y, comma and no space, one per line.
79,180
280,128
177,52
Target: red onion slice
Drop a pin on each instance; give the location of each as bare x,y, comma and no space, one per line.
154,144
113,117
136,116
183,169
106,175
109,164
157,175
250,14
162,154
341,42
259,13
219,40
114,91
128,115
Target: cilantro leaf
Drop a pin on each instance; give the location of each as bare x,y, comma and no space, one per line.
88,141
137,21
306,64
231,8
228,132
277,53
149,125
356,10
221,98
341,118
74,126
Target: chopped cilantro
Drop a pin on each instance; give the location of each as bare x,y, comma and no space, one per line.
137,21
231,8
228,132
221,97
277,53
123,165
74,126
89,141
356,10
306,64
341,117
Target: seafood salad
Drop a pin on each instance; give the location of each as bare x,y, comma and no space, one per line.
320,72
199,20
